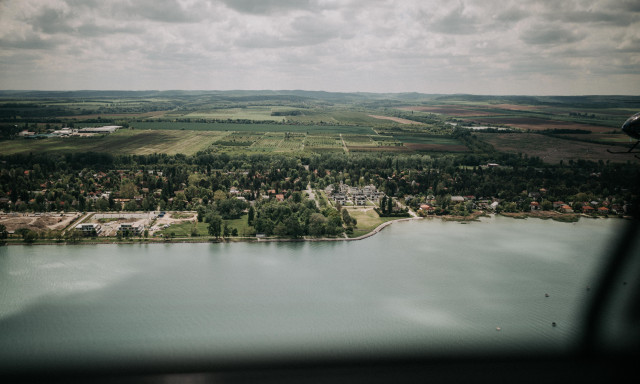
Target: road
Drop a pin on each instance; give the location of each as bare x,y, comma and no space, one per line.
312,196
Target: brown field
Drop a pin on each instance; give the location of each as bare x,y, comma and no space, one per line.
602,138
552,149
542,124
436,147
38,223
396,119
390,148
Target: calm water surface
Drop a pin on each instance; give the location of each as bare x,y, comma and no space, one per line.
427,284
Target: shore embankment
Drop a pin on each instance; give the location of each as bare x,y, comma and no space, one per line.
544,215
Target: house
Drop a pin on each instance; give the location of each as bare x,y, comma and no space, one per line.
534,206
104,129
280,197
62,132
557,204
565,208
426,208
457,199
587,209
603,211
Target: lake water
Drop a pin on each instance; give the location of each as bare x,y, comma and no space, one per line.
420,285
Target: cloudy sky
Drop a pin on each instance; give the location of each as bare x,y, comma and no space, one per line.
535,47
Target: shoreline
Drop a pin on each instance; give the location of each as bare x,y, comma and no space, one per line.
565,218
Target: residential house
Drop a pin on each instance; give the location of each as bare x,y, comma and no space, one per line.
426,208
565,208
587,209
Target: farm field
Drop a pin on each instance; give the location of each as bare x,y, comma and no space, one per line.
551,149
301,122
121,142
591,116
142,142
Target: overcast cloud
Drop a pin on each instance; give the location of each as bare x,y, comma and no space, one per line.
482,47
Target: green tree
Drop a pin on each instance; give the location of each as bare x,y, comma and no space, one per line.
215,224
128,189
251,215
317,224
29,236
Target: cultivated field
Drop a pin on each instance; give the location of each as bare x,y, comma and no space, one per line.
300,122
121,142
551,149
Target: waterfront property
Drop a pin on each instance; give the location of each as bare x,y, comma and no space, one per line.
88,229
344,194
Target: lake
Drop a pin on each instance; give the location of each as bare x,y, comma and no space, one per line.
418,285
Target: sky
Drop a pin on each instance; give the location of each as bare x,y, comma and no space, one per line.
528,47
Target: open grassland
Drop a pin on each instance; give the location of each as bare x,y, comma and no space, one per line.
552,149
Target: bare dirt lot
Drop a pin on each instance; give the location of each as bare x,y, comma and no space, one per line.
38,222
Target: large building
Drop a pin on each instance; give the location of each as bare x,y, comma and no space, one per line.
88,229
105,129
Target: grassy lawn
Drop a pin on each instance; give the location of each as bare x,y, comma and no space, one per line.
240,224
367,219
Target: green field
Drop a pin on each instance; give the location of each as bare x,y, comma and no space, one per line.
257,127
367,219
185,229
302,122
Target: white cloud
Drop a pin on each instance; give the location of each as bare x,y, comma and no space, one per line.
488,46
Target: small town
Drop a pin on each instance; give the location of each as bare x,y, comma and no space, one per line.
153,204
